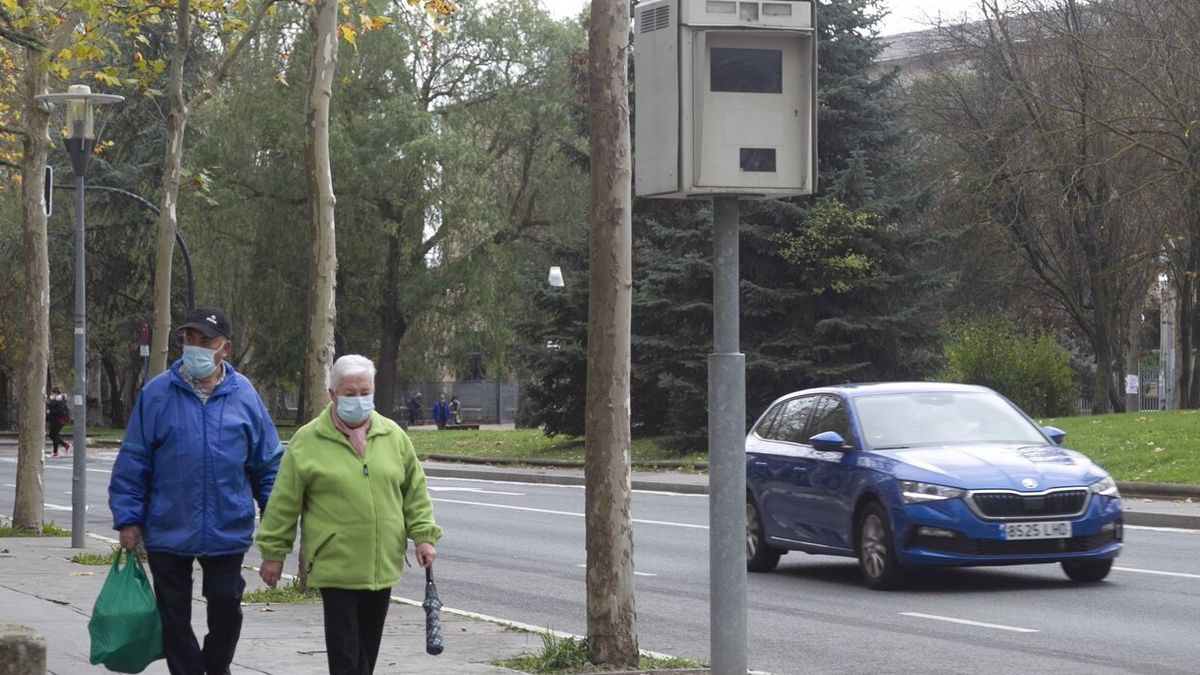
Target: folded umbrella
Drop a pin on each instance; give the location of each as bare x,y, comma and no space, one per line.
433,617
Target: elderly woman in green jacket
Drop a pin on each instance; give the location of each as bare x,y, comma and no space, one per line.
352,478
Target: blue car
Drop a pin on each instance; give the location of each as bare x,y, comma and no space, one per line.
902,475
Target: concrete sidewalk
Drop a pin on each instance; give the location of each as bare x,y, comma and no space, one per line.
42,589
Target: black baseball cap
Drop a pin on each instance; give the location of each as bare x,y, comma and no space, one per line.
208,320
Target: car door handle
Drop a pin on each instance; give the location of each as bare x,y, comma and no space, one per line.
760,469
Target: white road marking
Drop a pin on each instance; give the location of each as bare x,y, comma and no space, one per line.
635,572
563,513
967,622
558,485
1165,574
475,490
56,507
1174,530
9,485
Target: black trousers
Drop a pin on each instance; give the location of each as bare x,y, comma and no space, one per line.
55,431
353,628
222,587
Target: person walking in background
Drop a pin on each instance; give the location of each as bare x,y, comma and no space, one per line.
414,409
441,412
455,410
199,451
352,478
58,415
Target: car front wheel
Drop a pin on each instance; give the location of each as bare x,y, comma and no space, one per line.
876,553
759,556
1087,571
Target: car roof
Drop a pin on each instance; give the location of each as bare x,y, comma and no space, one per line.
855,390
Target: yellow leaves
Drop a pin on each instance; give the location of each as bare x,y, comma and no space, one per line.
109,76
349,34
281,79
1157,450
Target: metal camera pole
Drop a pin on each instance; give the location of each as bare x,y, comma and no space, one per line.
727,453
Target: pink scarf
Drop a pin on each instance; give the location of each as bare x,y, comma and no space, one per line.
356,435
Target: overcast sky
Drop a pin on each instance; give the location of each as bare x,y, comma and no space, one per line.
906,15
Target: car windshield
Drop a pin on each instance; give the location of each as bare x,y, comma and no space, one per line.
935,418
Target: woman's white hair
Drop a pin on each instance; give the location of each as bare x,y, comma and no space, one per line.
348,366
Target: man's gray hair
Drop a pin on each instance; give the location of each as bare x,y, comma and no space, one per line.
350,365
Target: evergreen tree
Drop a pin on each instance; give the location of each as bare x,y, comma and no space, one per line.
836,287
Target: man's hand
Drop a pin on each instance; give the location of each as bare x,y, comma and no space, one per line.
131,536
426,554
270,571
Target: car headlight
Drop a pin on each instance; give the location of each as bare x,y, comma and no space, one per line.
913,492
1106,486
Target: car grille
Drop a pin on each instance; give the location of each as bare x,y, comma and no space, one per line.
996,547
1055,503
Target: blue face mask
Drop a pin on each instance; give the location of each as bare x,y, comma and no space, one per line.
355,409
200,362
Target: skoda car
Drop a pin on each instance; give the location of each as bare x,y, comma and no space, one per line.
904,475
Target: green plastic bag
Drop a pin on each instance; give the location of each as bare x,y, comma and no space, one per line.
125,627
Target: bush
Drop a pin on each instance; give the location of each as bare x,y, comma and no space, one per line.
1033,372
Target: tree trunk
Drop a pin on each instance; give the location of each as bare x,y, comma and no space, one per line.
167,219
611,615
116,402
322,310
30,490
392,327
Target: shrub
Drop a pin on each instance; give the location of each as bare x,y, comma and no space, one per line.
1032,371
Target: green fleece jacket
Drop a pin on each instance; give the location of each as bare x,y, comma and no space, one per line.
356,513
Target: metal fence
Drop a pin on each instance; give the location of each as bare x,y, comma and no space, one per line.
1150,396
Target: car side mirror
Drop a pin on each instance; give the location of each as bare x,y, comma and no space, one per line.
828,441
1057,435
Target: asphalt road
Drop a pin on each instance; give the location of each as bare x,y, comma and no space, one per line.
516,551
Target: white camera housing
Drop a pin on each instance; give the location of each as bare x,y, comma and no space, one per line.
725,98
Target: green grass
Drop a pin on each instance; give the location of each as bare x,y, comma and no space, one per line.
1155,447
100,558
569,655
531,444
48,530
280,595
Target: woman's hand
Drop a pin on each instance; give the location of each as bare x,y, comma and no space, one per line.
426,554
270,571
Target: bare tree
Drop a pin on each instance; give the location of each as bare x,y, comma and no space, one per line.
322,310
611,620
1022,109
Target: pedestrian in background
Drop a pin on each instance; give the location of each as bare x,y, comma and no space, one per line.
199,451
414,409
58,415
441,412
455,410
352,478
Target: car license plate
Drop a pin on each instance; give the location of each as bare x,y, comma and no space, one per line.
1057,529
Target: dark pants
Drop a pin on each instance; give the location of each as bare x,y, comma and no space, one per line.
54,428
222,587
353,628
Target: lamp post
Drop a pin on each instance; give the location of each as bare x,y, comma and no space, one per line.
80,141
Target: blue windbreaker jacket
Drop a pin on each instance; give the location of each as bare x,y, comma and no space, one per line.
189,472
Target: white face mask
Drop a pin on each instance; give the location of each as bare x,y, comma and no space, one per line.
200,362
355,409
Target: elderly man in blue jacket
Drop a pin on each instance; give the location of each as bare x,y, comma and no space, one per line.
199,451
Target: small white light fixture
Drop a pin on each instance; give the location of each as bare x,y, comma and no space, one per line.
556,277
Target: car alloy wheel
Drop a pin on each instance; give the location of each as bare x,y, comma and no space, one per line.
759,556
876,557
1087,571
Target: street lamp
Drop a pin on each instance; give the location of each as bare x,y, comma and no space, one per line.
80,140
